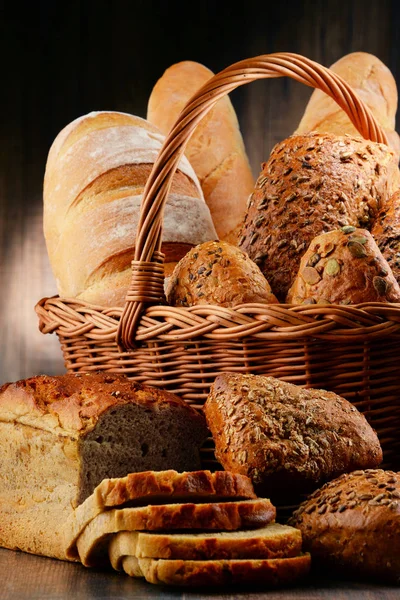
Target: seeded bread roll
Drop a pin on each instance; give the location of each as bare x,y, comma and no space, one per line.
386,231
351,525
217,273
311,184
287,439
343,267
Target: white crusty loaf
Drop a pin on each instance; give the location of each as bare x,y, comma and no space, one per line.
215,149
376,86
95,175
61,436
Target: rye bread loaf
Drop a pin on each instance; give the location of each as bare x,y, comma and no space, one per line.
217,273
309,185
287,439
61,436
344,266
154,487
351,525
270,573
386,232
92,543
272,541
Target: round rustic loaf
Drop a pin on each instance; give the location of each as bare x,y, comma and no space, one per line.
344,266
311,184
386,232
217,273
352,525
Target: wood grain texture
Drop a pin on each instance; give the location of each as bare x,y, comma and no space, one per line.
62,60
48,579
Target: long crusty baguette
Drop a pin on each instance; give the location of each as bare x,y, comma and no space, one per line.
215,150
374,83
272,541
276,572
92,544
95,175
155,487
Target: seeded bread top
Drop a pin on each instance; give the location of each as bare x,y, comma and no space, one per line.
386,231
71,404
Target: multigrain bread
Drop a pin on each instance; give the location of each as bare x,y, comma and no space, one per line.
287,439
215,149
272,541
311,184
61,436
351,525
217,273
344,266
154,487
374,83
95,175
272,573
92,544
386,232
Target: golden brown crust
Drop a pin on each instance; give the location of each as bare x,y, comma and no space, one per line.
287,439
278,572
92,543
344,266
71,404
386,232
215,149
351,525
217,273
312,183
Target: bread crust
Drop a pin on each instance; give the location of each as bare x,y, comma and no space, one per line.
217,273
386,232
92,543
287,439
278,572
215,149
311,184
344,266
351,525
272,541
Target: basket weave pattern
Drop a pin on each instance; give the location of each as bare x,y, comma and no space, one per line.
351,350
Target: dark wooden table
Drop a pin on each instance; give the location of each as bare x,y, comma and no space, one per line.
26,577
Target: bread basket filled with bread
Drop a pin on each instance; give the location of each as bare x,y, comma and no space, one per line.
302,284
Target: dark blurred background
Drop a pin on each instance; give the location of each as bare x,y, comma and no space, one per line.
61,60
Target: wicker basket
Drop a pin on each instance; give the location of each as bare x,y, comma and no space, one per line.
351,350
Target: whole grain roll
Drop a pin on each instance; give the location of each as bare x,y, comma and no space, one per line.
351,525
217,273
313,183
288,440
344,266
386,232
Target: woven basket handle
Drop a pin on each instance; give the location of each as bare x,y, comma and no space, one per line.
147,285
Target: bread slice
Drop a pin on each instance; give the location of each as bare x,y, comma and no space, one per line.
272,541
155,487
92,543
275,572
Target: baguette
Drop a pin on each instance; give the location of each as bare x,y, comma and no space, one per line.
215,149
376,86
95,175
61,436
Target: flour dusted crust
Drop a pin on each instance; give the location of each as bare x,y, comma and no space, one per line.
351,525
311,184
344,266
271,573
154,487
95,175
92,543
287,439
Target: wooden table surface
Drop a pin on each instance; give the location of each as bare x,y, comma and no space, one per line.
26,577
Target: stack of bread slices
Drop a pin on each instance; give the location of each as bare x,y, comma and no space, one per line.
192,528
